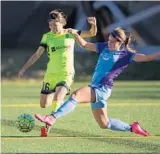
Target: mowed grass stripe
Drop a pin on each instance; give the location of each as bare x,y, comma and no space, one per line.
79,137
83,104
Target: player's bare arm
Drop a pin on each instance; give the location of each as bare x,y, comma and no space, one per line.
146,58
31,60
93,30
84,44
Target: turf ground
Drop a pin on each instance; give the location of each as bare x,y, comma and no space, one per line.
78,132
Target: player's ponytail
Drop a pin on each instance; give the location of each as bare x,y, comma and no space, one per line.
127,42
123,36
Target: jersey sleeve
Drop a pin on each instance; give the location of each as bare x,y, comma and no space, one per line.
130,56
100,46
43,42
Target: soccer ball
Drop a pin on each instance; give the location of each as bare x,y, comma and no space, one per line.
25,122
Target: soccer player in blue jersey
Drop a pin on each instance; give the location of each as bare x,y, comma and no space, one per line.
114,56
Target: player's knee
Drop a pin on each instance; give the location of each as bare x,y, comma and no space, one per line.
43,102
60,95
57,97
43,105
108,125
75,94
102,126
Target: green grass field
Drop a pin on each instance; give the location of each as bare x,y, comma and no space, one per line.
78,132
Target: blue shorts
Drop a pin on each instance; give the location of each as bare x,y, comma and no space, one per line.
102,95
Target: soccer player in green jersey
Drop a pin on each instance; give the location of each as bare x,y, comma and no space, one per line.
59,44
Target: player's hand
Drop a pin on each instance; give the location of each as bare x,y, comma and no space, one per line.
71,31
91,20
20,73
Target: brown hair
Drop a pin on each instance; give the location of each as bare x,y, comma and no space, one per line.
124,37
61,17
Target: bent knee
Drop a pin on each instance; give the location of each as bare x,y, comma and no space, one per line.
102,126
58,98
73,95
45,101
76,94
43,105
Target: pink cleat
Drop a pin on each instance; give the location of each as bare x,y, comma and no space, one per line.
136,128
47,119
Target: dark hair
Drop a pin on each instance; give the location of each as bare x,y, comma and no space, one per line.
58,15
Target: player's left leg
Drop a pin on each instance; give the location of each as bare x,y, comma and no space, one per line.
100,115
59,96
104,122
62,88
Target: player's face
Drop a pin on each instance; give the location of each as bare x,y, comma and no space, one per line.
55,25
113,43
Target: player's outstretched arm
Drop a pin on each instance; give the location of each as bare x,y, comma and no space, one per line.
84,44
93,30
146,58
31,60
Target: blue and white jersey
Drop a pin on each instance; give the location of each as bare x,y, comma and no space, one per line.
110,65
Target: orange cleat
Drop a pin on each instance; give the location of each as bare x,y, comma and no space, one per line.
45,131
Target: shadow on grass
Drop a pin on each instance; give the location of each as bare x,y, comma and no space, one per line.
151,147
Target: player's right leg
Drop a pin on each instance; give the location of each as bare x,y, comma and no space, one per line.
46,100
84,94
48,90
46,96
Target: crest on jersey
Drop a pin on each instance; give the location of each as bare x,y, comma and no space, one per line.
67,35
106,56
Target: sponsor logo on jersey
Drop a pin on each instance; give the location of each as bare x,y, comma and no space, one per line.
60,47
